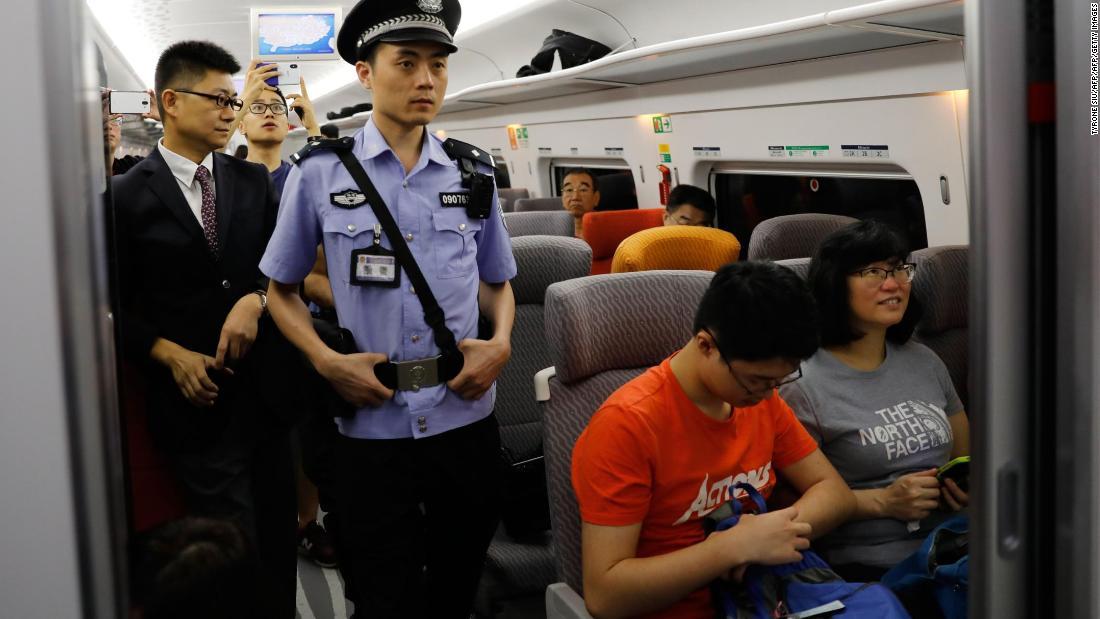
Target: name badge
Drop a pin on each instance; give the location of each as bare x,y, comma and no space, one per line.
458,199
349,199
375,265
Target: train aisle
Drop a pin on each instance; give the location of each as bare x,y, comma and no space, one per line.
320,592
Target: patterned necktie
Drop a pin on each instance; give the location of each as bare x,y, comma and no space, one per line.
209,214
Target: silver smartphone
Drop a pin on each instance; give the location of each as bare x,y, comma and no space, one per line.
290,74
129,102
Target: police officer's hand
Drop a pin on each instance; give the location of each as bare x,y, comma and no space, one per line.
483,362
239,331
353,377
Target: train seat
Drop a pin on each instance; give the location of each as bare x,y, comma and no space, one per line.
508,197
678,248
524,205
605,230
517,568
801,266
603,331
942,284
554,223
617,192
793,236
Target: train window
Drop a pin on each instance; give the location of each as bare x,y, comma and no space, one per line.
617,191
504,180
746,196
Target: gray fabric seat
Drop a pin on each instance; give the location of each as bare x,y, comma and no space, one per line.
793,236
554,223
942,284
801,266
603,331
525,205
508,197
514,569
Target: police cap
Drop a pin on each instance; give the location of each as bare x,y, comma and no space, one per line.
392,21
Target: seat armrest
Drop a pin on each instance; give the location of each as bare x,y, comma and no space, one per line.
542,383
562,602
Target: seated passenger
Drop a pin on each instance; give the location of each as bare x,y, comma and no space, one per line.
689,205
580,194
882,407
664,450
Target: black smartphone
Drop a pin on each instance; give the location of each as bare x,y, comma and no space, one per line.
958,471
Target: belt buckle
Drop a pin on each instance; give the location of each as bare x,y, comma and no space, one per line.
417,374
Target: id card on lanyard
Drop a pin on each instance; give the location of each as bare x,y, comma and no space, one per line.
375,265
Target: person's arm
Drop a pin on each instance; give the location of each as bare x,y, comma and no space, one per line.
910,498
484,359
351,375
619,584
254,86
826,500
303,106
316,286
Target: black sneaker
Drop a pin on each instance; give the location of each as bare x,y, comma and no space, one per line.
314,542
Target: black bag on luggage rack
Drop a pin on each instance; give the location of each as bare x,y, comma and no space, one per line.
573,49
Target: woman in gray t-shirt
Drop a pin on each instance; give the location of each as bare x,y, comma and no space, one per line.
882,408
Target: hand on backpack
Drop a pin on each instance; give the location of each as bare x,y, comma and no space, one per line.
911,497
770,539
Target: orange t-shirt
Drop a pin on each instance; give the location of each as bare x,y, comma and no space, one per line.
649,455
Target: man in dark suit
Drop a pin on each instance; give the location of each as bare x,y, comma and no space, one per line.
191,226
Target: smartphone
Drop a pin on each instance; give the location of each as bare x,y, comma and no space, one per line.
129,102
290,74
957,470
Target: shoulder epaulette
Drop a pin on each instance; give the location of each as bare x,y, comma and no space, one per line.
461,150
319,144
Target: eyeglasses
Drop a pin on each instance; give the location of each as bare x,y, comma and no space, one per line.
221,100
767,385
875,276
278,109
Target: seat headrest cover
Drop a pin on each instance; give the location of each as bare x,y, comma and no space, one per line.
800,266
793,236
942,284
544,260
676,248
620,320
605,230
555,223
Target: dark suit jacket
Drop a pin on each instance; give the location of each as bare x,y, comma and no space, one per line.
171,287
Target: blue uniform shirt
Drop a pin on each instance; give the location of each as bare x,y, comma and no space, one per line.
453,250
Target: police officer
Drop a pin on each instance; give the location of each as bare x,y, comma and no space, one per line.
420,473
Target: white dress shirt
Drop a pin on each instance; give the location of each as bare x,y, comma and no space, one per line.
184,171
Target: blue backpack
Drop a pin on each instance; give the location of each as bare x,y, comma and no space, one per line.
769,591
940,567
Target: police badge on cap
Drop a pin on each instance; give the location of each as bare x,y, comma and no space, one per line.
392,21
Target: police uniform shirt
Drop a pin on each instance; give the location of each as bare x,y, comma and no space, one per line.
453,250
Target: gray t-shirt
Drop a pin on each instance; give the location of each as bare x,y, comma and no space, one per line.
875,427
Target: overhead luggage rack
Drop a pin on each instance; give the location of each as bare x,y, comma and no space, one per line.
868,27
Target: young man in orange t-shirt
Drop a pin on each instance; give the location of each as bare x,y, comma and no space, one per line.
667,448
